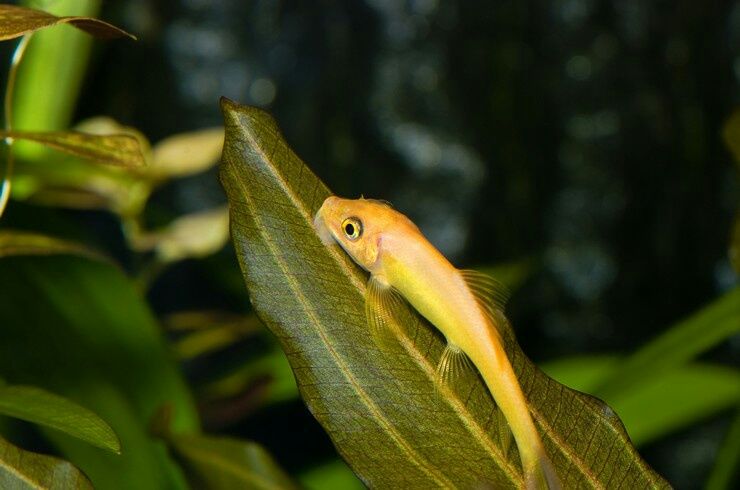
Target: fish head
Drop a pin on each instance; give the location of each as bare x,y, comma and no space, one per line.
358,226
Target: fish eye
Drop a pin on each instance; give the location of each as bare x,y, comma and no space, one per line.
352,228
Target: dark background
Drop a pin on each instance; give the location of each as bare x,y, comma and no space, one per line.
582,134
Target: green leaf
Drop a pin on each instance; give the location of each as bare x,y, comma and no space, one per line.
379,407
120,150
660,403
80,328
334,475
728,459
16,21
675,399
223,463
14,242
681,343
23,470
50,76
41,407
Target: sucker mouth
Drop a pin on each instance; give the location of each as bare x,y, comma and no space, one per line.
322,230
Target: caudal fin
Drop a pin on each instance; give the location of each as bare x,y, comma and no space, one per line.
542,475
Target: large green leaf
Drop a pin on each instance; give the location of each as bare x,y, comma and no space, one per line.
379,406
220,463
23,470
80,328
41,407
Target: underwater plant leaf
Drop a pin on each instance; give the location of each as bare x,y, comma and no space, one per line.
224,463
16,21
187,153
727,461
41,407
80,328
659,403
680,343
26,470
379,406
192,235
120,150
16,242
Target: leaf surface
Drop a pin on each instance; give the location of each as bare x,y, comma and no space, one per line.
379,406
120,150
35,405
16,21
24,470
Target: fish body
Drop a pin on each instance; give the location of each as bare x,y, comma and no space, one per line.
402,261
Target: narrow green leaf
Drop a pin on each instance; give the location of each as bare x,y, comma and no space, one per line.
24,470
14,242
378,406
728,460
41,407
681,343
16,21
220,463
121,150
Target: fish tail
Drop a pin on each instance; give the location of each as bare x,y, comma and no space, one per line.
494,366
540,474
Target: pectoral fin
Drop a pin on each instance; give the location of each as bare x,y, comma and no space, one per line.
453,364
386,311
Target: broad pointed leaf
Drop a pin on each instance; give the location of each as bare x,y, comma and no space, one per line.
42,407
16,21
379,406
120,150
24,470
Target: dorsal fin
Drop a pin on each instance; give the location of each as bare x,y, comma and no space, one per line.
486,289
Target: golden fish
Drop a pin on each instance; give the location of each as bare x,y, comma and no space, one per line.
465,306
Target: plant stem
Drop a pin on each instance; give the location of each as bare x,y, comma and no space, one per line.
9,90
